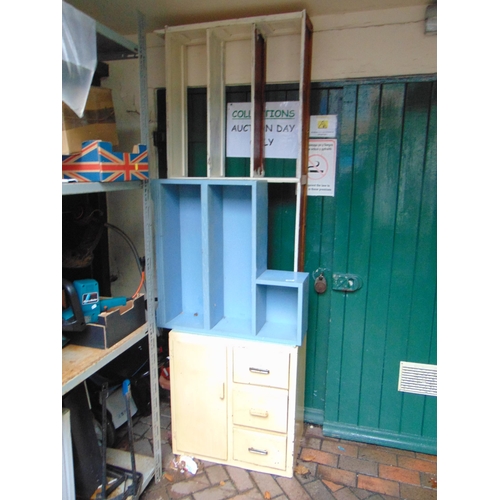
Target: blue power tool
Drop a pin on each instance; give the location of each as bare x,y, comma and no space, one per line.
87,292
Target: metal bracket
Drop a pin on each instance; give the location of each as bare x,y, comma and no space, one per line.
346,282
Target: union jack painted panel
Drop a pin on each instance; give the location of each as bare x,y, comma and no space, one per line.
97,162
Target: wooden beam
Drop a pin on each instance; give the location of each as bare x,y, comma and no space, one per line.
258,103
305,91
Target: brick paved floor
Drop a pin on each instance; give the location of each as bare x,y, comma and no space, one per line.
327,469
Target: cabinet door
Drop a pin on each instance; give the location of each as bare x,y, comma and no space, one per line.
198,395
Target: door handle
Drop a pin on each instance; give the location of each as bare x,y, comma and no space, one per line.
346,282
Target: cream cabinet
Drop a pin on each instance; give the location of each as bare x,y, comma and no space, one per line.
237,402
198,396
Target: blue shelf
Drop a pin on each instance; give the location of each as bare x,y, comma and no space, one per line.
211,238
98,187
282,306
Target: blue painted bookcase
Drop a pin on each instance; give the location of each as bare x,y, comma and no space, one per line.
211,251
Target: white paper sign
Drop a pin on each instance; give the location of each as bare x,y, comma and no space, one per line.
321,167
281,130
323,126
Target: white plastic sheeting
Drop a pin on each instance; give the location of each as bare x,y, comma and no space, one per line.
79,57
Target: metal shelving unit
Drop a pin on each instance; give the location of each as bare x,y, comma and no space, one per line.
98,187
79,362
112,46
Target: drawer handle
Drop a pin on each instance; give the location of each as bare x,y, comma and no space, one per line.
257,452
259,370
259,413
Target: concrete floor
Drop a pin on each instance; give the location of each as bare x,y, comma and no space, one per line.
327,469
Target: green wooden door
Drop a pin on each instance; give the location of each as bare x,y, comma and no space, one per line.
381,226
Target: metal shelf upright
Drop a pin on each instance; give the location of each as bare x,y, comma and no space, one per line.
112,46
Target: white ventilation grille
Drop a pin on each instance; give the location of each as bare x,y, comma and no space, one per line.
418,378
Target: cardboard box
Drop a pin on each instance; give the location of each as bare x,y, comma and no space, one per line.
112,326
97,123
97,162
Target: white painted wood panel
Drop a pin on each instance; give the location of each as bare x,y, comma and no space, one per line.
261,425
260,448
261,366
260,407
198,396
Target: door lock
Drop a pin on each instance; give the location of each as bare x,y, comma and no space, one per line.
320,284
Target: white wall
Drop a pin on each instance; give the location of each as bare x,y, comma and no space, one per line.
370,44
355,45
125,207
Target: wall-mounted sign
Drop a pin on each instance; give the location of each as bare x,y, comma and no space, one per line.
323,126
321,167
281,130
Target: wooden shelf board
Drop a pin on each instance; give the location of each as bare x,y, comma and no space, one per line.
79,362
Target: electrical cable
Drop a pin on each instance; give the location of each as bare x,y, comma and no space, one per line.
140,286
82,256
134,251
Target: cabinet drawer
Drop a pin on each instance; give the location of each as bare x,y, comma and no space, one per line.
261,367
260,407
259,448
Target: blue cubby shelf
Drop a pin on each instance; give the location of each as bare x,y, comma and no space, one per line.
211,259
281,312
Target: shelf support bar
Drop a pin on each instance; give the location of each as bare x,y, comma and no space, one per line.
152,334
143,77
149,264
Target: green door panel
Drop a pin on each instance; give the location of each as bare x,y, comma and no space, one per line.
405,253
385,232
423,304
320,232
197,132
382,236
281,226
340,250
238,167
380,240
358,247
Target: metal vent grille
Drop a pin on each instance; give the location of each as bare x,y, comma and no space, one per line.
418,378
